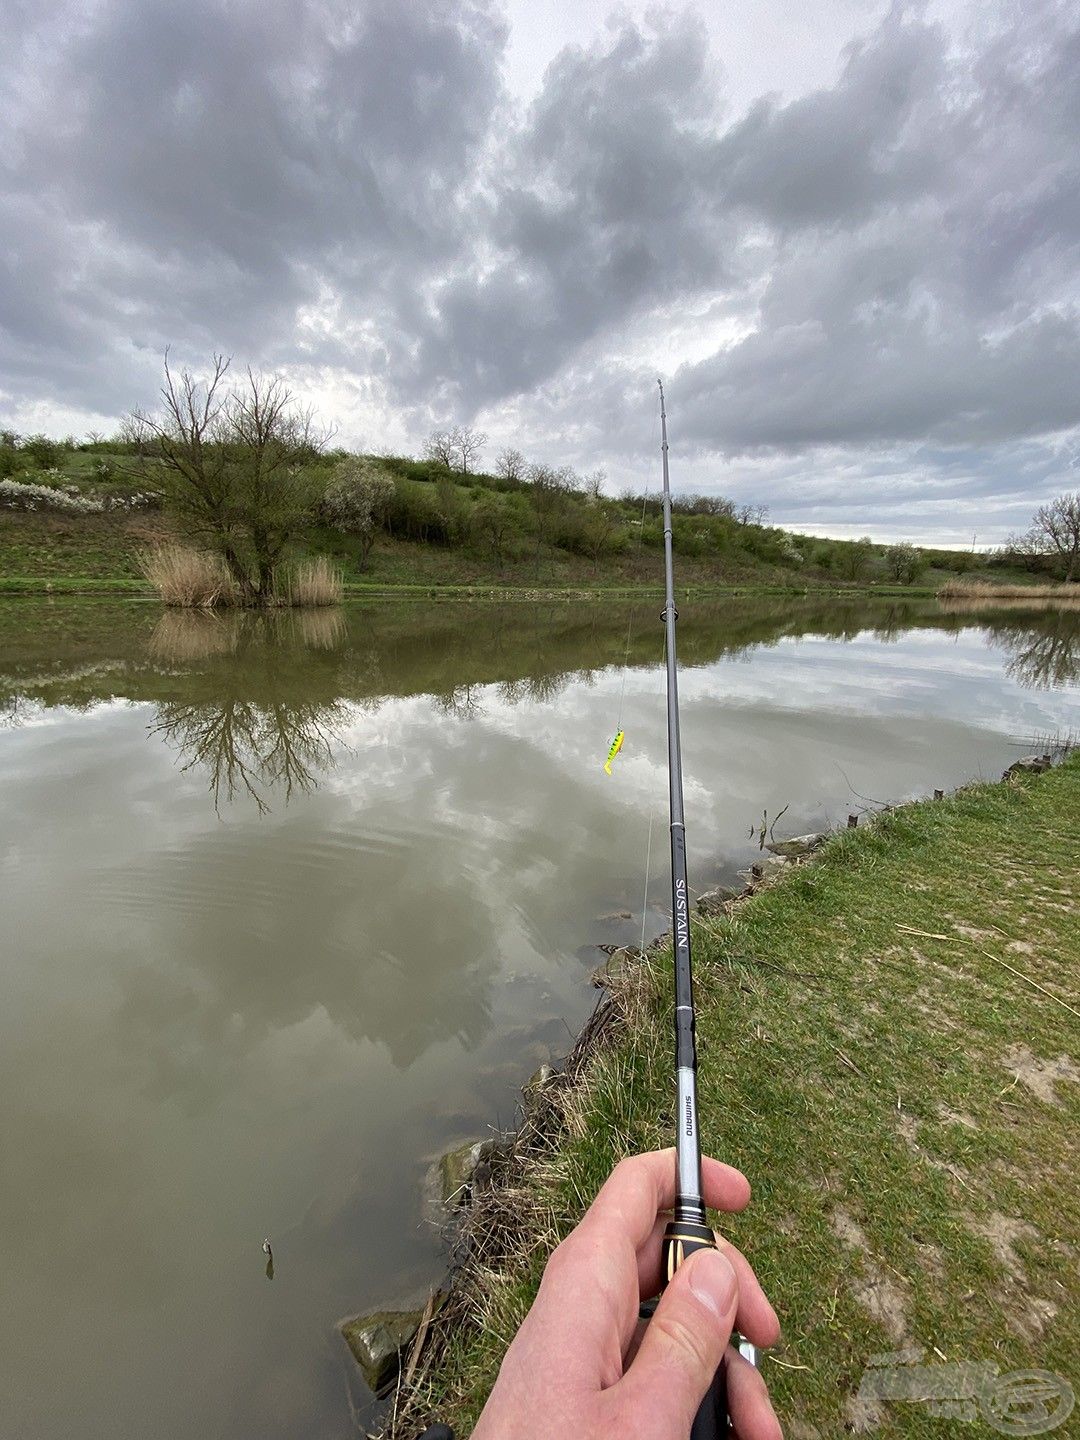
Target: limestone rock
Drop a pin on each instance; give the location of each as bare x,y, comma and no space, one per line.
796,846
713,901
1028,765
377,1341
538,1079
458,1168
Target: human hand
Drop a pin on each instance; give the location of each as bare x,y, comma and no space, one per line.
582,1367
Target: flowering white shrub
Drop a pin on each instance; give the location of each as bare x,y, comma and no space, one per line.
67,499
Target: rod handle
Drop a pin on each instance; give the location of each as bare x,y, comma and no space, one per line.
681,1239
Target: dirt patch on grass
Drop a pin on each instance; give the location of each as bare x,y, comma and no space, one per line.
955,1117
878,1294
1003,1231
1026,1314
1040,1076
909,1130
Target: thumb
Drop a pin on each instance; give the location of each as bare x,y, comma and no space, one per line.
683,1344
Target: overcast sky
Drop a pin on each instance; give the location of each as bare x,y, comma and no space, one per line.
846,233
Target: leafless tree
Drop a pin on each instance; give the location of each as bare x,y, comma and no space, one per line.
441,446
752,514
593,485
1055,530
233,463
548,490
469,444
510,464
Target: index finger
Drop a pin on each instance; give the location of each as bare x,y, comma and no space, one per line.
643,1185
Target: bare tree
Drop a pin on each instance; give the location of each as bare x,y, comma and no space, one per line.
593,485
442,447
233,464
751,514
1056,531
469,444
510,464
548,490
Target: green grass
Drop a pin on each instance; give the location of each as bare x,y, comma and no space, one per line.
713,552
42,553
890,1095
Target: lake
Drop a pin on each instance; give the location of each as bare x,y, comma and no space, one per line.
289,904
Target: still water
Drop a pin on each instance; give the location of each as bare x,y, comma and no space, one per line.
289,905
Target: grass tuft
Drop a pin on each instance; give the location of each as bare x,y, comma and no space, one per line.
186,577
316,582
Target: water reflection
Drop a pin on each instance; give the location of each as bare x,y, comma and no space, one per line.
253,721
261,1019
1046,656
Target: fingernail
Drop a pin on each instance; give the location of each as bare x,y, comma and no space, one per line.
713,1281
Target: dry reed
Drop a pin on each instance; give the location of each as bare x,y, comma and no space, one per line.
987,590
186,577
316,582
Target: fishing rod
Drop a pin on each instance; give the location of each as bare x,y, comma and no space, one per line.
687,1231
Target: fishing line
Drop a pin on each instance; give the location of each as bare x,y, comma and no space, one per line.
633,611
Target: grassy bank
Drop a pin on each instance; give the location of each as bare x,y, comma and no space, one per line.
43,553
877,1057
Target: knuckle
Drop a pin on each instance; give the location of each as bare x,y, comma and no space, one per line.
686,1341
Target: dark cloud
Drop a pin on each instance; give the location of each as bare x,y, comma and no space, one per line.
885,264
198,173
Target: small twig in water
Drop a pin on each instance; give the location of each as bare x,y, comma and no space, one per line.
881,804
786,808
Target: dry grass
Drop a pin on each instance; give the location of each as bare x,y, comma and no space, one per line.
189,578
316,582
986,590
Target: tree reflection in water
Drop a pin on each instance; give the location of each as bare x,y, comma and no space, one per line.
258,710
1043,654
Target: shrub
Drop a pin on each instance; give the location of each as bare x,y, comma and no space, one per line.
41,449
187,577
357,499
23,494
30,495
853,560
905,563
316,582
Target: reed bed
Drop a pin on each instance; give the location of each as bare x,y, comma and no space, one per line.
316,582
987,590
189,578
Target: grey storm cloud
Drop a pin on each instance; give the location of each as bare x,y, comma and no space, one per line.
897,252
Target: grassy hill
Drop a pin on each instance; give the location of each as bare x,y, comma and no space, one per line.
77,515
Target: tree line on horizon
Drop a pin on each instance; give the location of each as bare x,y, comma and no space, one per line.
245,471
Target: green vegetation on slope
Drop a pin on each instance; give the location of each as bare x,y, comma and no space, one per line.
440,527
904,1103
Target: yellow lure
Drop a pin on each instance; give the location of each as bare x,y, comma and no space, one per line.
616,746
